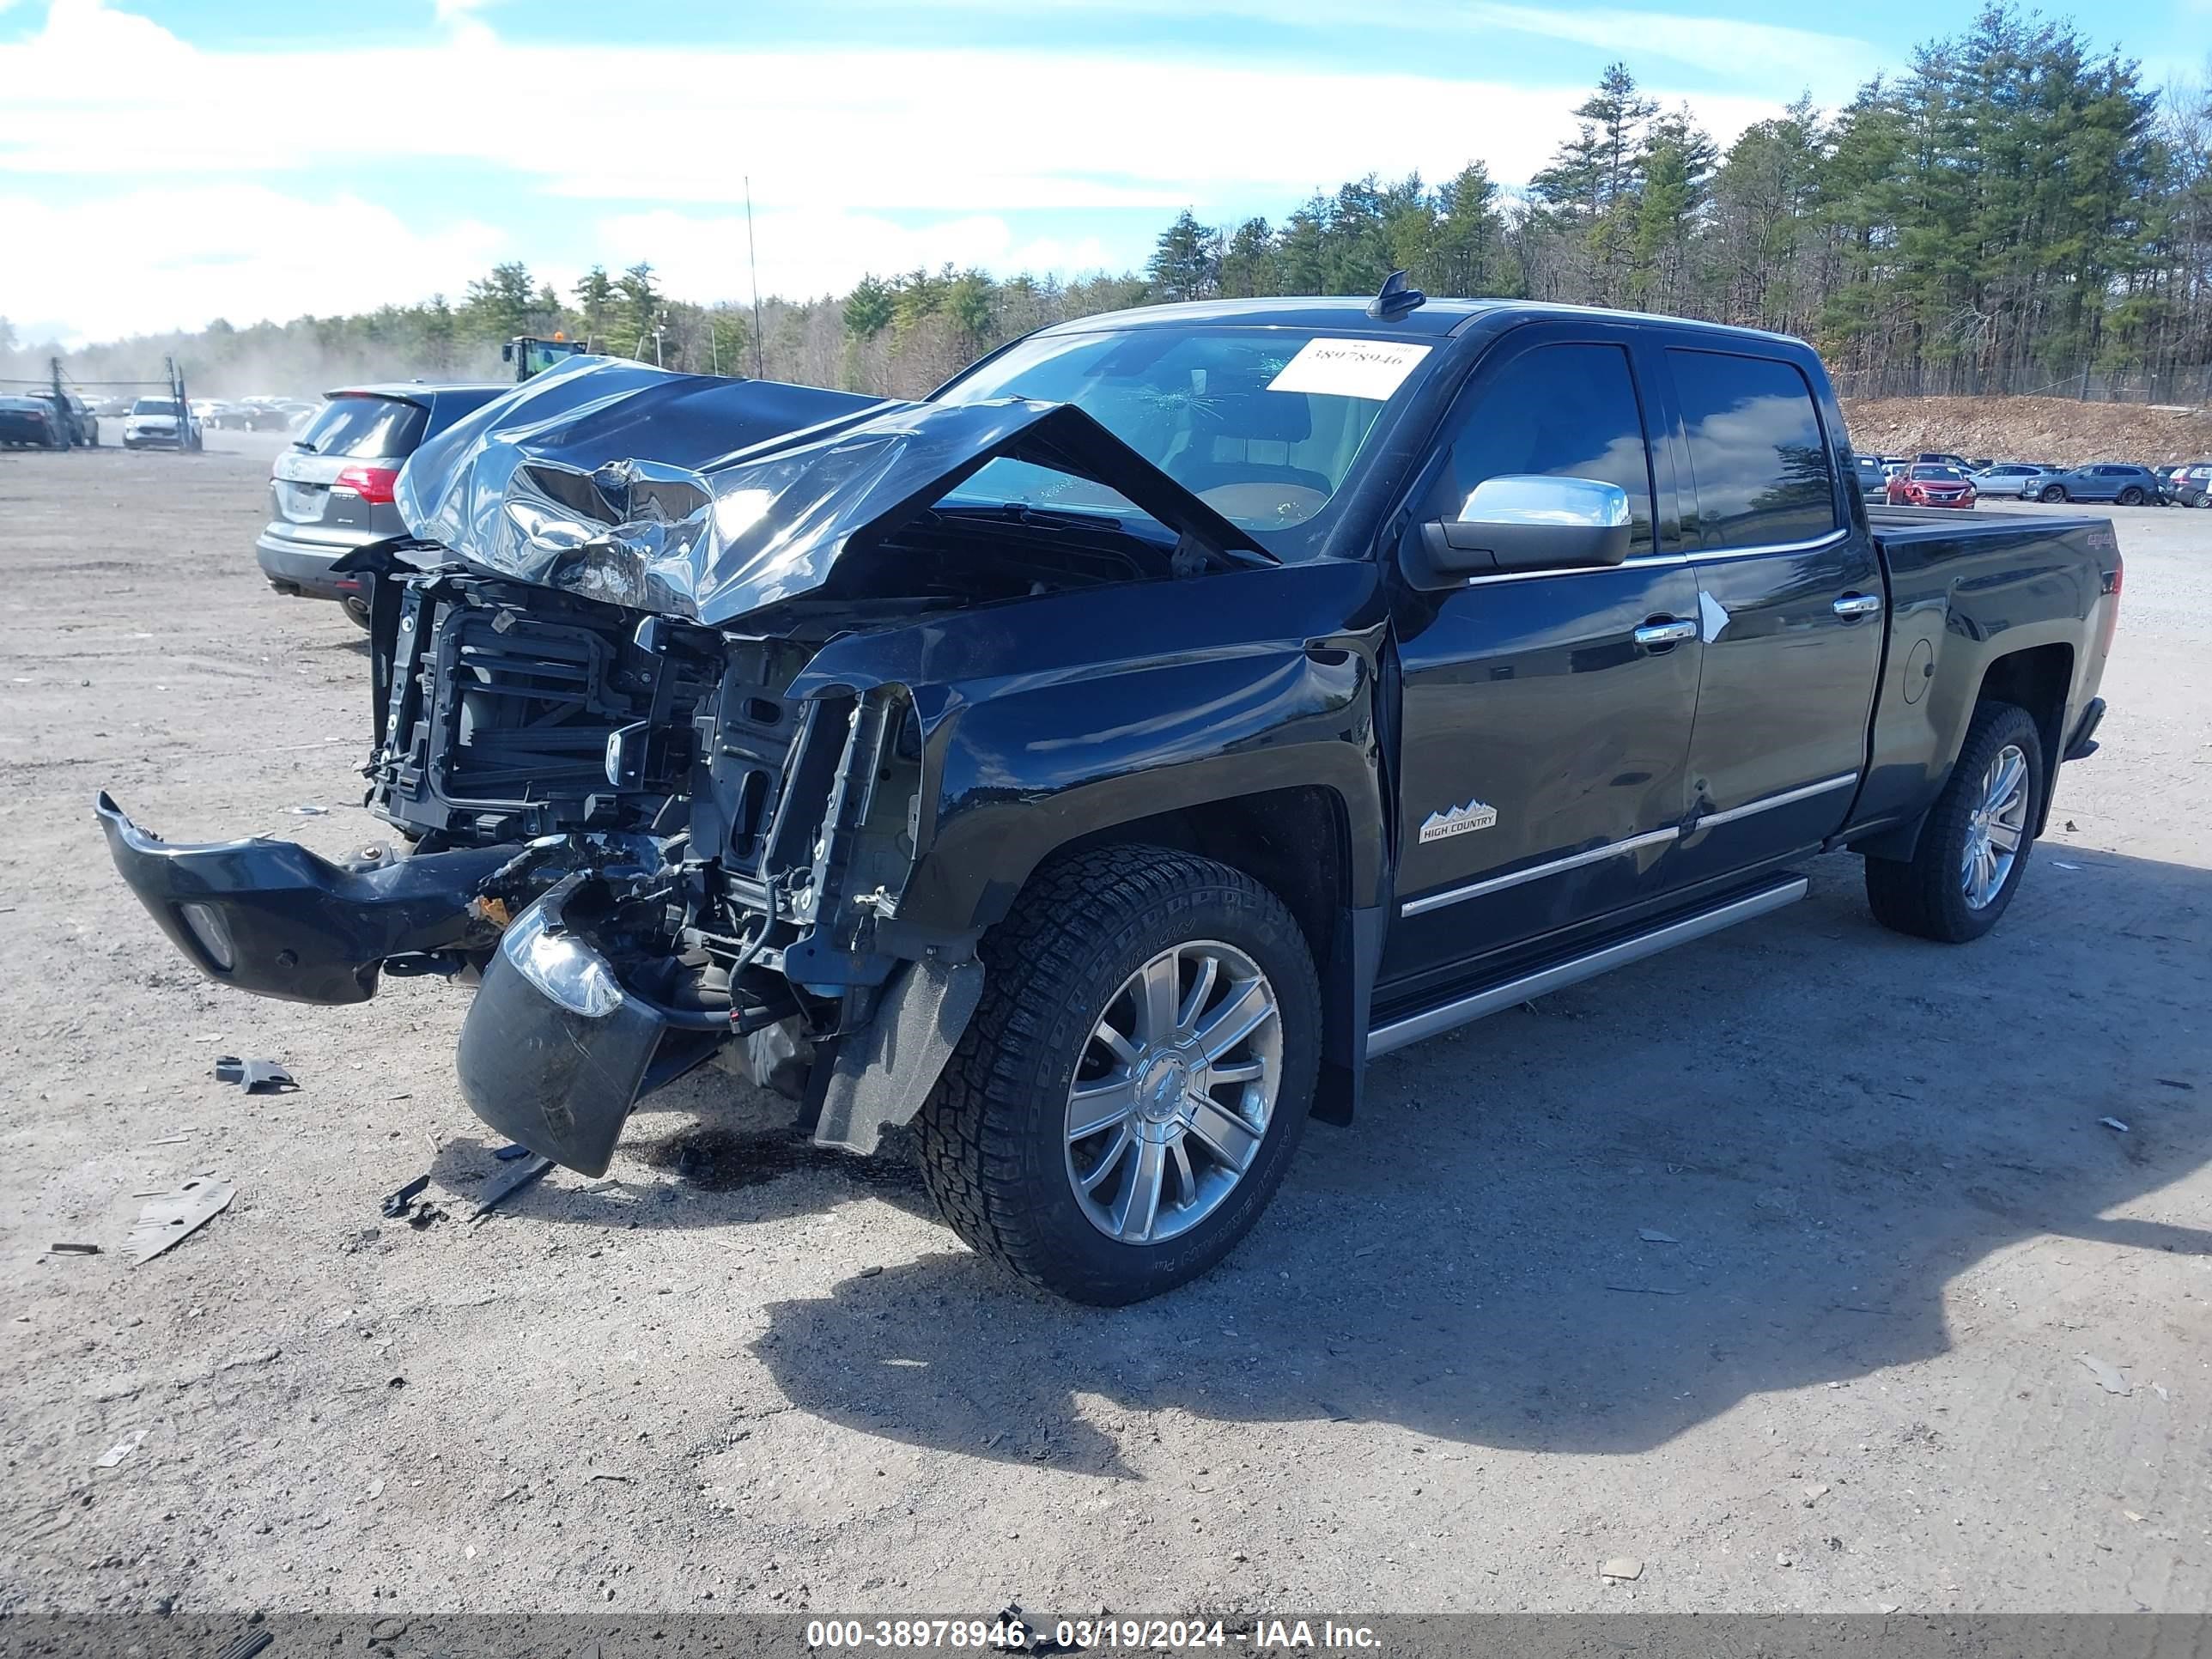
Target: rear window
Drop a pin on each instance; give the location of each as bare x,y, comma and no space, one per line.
1757,451
362,428
153,406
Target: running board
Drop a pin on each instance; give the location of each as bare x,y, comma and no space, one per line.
1387,1039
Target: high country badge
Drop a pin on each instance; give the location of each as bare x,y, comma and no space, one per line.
1476,815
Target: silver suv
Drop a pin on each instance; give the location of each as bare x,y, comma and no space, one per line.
330,492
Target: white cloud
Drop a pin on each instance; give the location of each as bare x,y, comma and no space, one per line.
178,257
943,128
200,176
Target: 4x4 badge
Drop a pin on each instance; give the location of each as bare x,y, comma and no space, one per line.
1476,815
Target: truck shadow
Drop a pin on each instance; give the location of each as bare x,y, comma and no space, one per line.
1754,1164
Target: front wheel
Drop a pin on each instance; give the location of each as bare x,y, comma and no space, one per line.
2053,493
1973,847
1136,1079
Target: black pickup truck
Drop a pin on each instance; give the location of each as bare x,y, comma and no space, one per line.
1096,764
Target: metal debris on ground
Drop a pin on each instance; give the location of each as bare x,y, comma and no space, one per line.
247,1645
2108,1376
2113,1124
396,1204
425,1213
513,1150
507,1182
1653,1236
1625,1568
309,809
256,1076
175,1215
121,1449
70,1246
1646,1290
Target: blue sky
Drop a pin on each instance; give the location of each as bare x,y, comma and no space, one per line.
250,158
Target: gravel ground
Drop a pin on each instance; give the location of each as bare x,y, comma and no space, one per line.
1447,1371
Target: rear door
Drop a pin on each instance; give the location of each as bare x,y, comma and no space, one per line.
1547,715
1789,601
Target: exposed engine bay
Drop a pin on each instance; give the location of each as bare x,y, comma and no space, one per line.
631,810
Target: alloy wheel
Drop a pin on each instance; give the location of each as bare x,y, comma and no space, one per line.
1996,828
1174,1092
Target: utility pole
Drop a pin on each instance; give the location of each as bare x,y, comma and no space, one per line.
752,258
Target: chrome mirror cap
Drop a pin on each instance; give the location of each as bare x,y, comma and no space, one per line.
1537,498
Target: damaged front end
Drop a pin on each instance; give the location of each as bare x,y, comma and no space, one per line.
634,809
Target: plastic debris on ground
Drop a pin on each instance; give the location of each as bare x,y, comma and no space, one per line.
397,1203
1653,1236
507,1182
2108,1374
70,1247
2113,1124
121,1449
177,1215
256,1076
1624,1568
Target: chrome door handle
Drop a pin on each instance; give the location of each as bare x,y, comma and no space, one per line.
1858,604
1665,633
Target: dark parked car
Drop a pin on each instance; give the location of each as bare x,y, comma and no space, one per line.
332,491
35,418
1921,485
1097,776
1873,476
2190,485
2129,486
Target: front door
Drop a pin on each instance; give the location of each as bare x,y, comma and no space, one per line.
1790,604
1547,716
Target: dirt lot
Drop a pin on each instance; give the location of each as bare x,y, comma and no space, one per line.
1445,1373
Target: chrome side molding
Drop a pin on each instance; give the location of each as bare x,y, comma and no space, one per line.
1399,1033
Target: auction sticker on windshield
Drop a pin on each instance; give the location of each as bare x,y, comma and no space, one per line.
1350,368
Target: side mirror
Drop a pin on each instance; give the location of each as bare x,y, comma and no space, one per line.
1518,522
507,352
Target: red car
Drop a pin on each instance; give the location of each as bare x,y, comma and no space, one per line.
1923,485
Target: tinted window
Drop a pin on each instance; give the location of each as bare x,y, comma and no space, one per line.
1756,449
1937,474
1566,411
364,427
153,406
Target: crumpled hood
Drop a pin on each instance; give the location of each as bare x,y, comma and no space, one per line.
709,499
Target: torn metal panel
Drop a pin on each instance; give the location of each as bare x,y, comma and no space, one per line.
711,499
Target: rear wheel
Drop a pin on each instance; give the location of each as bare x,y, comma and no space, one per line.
2053,493
1133,1087
2131,496
1974,848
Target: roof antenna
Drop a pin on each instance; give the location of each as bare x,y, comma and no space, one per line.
1395,298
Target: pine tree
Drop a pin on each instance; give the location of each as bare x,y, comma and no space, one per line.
1185,263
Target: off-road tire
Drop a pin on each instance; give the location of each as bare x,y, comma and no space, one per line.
990,1140
1922,896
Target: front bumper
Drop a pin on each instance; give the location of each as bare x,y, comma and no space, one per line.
272,918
